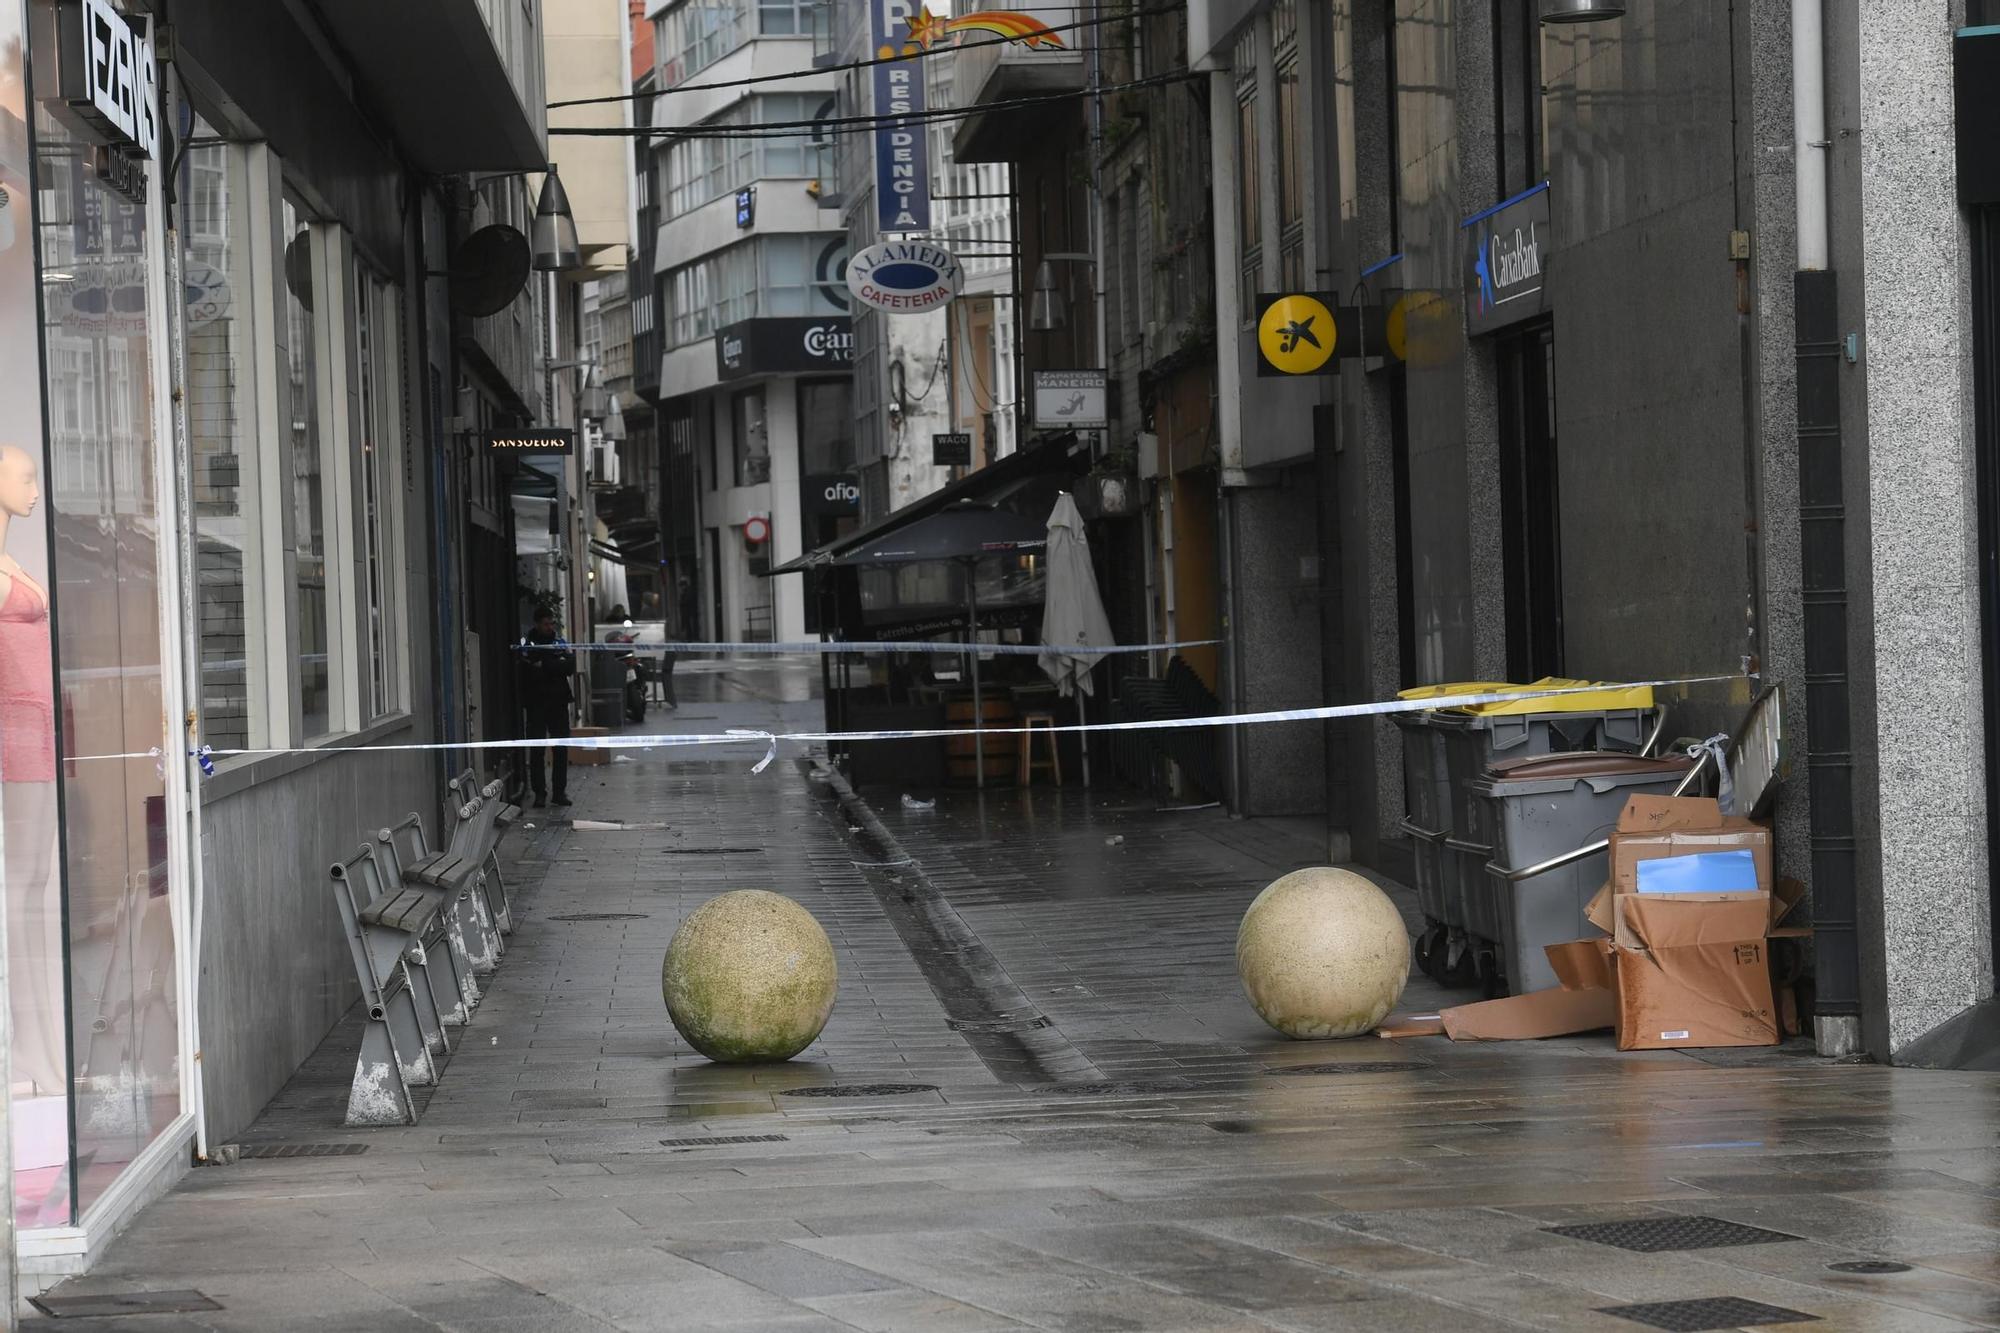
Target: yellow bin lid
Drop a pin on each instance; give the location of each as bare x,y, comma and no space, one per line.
1610,699
1452,691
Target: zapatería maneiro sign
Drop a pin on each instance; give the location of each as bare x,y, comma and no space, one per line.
905,277
902,151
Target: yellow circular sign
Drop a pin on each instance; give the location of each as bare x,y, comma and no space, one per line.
1296,335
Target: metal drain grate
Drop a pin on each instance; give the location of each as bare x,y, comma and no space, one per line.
996,1025
599,916
122,1302
710,851
1868,1266
859,1090
1709,1312
1654,1235
251,1152
1118,1089
1352,1067
723,1140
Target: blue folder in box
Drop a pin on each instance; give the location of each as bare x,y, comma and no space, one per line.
1700,872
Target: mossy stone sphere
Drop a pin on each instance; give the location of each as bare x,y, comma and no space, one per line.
749,977
1323,953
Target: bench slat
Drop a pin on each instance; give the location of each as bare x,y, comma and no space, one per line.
406,909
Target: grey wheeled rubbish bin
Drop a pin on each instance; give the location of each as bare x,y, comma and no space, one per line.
1535,810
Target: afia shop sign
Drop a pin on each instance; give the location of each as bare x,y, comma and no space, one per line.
836,494
788,346
905,277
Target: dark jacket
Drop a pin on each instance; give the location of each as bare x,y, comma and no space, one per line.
545,670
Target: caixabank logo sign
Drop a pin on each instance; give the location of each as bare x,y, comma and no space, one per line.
905,277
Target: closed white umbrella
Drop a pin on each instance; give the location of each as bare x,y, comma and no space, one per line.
1072,612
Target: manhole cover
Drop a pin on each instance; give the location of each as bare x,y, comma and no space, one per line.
1654,1235
860,1090
251,1152
1868,1266
1118,1089
1351,1067
995,1025
724,1139
1709,1312
122,1302
599,916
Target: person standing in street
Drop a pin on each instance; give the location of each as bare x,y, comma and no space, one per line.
547,665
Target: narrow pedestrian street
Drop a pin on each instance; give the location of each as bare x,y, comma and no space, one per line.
1042,1102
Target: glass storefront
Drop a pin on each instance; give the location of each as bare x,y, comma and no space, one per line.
93,977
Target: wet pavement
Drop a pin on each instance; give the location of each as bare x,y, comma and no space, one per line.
1042,1102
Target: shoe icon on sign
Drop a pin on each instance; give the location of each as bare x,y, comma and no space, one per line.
1072,407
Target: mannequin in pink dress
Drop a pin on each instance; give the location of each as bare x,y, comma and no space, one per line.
28,813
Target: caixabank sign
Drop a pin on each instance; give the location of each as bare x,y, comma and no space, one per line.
791,346
1506,249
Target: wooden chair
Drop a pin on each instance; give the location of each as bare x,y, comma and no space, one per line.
1045,725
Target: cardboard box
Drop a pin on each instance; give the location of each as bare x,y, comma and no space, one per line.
589,754
1694,970
1582,964
1655,826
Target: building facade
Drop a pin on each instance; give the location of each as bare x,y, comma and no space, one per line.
755,399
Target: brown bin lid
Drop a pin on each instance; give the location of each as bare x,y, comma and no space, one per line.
1589,764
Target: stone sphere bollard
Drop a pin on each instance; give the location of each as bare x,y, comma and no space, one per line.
1323,953
749,977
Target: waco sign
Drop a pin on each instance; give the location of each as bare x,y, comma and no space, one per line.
904,277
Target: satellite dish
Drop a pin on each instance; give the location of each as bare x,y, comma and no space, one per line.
298,268
489,270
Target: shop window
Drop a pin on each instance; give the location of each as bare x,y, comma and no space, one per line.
751,437
218,250
826,426
312,678
379,449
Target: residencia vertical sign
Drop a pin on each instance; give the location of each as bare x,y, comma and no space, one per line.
1506,251
902,150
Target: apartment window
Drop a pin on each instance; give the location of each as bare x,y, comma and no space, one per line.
311,651
785,18
1291,163
379,447
750,437
692,36
770,275
1249,220
701,169
221,411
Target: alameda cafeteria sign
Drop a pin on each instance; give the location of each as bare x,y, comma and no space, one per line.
1506,250
788,346
905,277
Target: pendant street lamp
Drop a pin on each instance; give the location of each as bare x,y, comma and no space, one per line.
1581,11
1048,307
554,232
614,420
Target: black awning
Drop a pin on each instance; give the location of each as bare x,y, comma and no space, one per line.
992,485
961,531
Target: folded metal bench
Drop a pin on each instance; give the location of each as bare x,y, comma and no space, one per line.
470,938
388,925
479,817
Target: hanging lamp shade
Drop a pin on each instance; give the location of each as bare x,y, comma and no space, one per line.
614,420
554,238
1047,310
1581,11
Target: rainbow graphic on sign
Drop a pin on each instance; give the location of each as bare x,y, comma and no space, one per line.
927,30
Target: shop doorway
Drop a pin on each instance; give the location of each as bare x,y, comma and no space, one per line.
1986,444
1530,505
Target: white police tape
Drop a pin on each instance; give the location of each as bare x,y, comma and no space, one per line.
869,646
771,739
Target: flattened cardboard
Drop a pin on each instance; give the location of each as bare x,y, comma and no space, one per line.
1655,826
1599,911
1542,1013
1581,964
1681,920
1411,1025
1692,996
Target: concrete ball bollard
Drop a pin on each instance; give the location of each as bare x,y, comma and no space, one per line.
1323,953
749,977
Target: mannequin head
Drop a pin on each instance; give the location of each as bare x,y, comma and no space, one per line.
20,482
